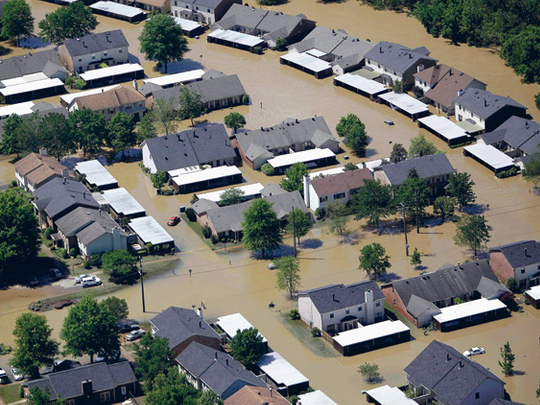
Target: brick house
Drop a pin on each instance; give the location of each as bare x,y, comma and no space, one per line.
520,260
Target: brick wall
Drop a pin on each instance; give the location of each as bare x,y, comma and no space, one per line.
390,296
502,269
204,340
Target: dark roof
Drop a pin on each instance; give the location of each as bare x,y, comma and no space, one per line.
397,57
272,189
341,182
426,167
250,395
519,133
67,384
178,324
338,296
452,376
93,43
499,401
520,254
31,62
485,104
218,370
192,147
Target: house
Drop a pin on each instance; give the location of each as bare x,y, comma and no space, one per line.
397,62
93,383
338,188
337,307
36,169
95,175
420,298
435,170
161,6
520,260
485,109
91,51
443,374
207,368
279,373
121,204
183,326
118,10
113,101
316,397
533,296
253,395
441,84
258,146
203,11
206,145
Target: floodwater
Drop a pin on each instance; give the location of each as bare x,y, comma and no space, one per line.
229,282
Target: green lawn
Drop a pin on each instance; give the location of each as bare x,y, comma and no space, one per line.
317,345
10,393
198,230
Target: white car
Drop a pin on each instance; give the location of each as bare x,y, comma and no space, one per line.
135,334
473,351
3,377
80,277
90,282
17,375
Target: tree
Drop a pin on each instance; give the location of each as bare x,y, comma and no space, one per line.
338,217
54,129
345,124
444,206
153,357
163,40
472,231
75,20
165,112
121,266
460,186
145,127
298,223
117,306
35,347
159,179
532,167
247,347
414,195
521,52
171,389
231,196
235,121
370,372
398,153
349,167
538,390
19,234
191,105
374,260
268,169
512,284
295,178
42,397
357,139
88,129
373,201
416,259
420,146
17,20
397,86
12,141
121,132
209,397
288,274
89,328
508,358
537,101
261,227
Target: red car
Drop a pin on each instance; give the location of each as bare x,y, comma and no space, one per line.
173,221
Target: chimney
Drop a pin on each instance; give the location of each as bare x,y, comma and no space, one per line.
135,85
306,190
370,307
200,313
116,236
448,358
43,151
227,361
333,297
84,44
460,92
461,364
419,68
107,37
215,356
410,56
200,324
380,49
86,388
65,173
485,103
450,72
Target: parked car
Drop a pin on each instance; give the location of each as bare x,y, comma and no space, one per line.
3,377
17,375
473,351
127,325
173,221
90,282
111,358
56,273
135,334
80,277
271,266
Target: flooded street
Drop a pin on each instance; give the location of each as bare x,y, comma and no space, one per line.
247,286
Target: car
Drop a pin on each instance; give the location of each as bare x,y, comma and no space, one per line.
173,221
91,282
3,377
271,266
17,375
135,334
127,325
389,122
80,277
56,273
473,351
110,358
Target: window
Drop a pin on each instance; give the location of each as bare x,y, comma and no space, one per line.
93,56
477,395
175,3
123,390
105,53
323,199
377,304
111,111
331,316
80,59
120,50
359,309
347,312
339,196
105,396
140,105
208,9
395,303
69,402
522,271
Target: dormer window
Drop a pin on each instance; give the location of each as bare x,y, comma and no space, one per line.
93,56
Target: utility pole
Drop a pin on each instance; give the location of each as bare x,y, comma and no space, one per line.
402,207
294,232
142,284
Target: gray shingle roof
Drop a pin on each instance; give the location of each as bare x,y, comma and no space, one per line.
338,296
81,217
520,254
272,189
499,401
485,104
447,372
202,205
397,57
418,306
426,166
93,43
517,132
32,62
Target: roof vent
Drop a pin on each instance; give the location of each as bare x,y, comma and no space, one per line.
448,358
526,252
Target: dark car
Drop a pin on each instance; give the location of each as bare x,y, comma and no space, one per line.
173,221
127,325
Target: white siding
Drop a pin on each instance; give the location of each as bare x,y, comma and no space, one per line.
487,392
462,114
308,312
87,62
147,159
523,273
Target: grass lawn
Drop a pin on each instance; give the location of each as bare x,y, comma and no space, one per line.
197,228
398,315
10,393
301,331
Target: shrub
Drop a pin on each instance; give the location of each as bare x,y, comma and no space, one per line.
512,284
190,214
281,45
214,239
315,332
80,84
72,252
207,232
258,50
62,253
268,169
95,259
150,248
86,264
48,232
507,173
318,213
245,99
294,314
13,183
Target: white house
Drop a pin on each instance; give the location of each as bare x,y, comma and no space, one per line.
202,11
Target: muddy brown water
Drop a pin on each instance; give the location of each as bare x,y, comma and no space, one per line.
247,286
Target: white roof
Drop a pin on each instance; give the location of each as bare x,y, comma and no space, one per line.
373,164
117,8
280,370
19,109
68,98
361,83
24,79
184,77
303,156
327,172
236,37
150,231
122,202
460,311
316,52
31,86
534,292
404,102
203,175
248,189
95,173
490,155
370,332
386,395
234,322
111,71
315,398
443,126
187,25
307,61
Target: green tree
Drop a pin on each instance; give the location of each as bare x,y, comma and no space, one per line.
121,266
153,357
268,169
460,186
235,121
54,129
522,53
373,201
416,258
17,20
345,124
88,129
163,40
370,372
209,397
42,397
414,194
288,274
191,105
73,21
231,196
281,45
398,153
261,227
444,206
357,139
301,224
145,127
89,328
374,260
397,86
159,179
338,218
117,306
537,101
247,346
420,146
19,235
532,168
121,132
508,358
34,345
171,389
165,112
472,231
12,141
294,178
512,284
349,167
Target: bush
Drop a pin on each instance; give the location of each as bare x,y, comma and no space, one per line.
258,50
512,284
268,169
207,232
190,214
294,314
315,332
150,248
95,259
62,253
214,239
13,183
245,99
318,213
507,173
80,84
86,264
281,45
48,232
72,252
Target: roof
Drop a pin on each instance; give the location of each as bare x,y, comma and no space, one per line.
304,156
116,70
32,62
370,332
82,217
219,371
197,176
67,384
443,126
202,205
117,8
468,309
272,189
122,202
93,43
315,398
59,194
451,375
28,86
95,173
236,37
178,324
397,57
19,109
499,401
250,395
404,102
338,296
182,77
68,98
386,395
249,190
485,104
358,82
38,168
342,182
307,61
425,166
112,98
520,254
280,370
150,231
490,155
519,133
187,25
234,323
534,292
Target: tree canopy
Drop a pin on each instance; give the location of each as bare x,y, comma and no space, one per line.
121,266
370,372
374,260
121,132
444,206
522,53
373,201
42,397
288,274
17,20
165,112
507,359
295,178
191,105
231,196
117,306
420,146
301,224
398,153
460,186
72,21
235,121
346,123
261,227
338,218
247,346
414,195
472,231
145,127
88,129
153,357
55,131
171,388
354,131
